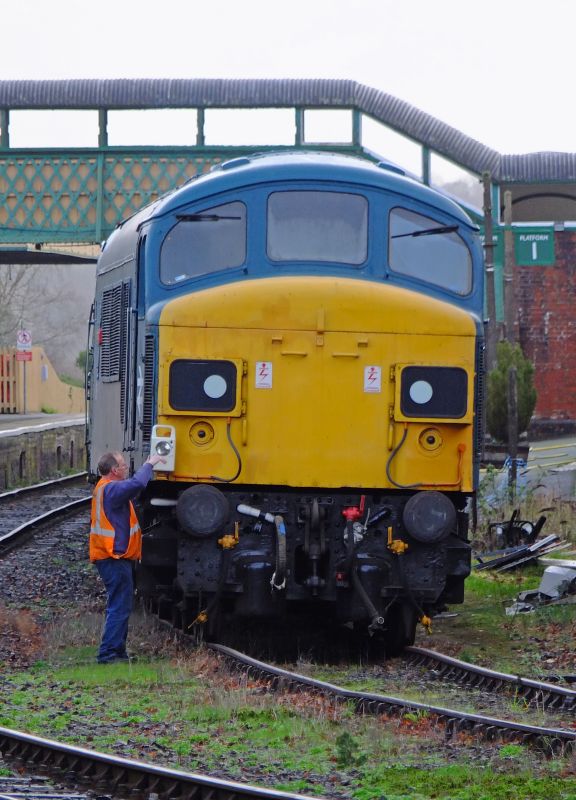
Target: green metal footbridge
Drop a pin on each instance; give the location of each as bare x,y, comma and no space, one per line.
78,195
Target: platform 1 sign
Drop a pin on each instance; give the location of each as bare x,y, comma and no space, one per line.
534,246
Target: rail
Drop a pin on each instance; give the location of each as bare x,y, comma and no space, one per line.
550,740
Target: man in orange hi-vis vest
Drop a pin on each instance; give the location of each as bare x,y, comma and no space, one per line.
115,544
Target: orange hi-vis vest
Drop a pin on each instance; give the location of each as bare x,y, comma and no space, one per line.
102,532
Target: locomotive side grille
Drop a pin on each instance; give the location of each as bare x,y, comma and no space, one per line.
114,331
124,348
148,396
110,326
480,389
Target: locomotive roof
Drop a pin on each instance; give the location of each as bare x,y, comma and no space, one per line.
244,171
262,169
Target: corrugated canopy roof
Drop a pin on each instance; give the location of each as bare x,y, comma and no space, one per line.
222,93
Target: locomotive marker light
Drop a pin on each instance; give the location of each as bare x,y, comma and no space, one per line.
210,386
421,392
163,443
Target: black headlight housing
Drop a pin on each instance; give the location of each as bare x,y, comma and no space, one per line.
202,385
434,392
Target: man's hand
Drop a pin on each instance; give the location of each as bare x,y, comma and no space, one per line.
155,459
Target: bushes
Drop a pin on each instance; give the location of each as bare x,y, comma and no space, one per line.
509,355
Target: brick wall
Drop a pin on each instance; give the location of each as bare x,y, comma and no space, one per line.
547,328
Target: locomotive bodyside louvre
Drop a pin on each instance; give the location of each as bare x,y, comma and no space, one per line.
112,386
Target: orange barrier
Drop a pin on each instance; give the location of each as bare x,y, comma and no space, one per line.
8,382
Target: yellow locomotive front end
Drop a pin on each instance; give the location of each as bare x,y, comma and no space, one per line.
308,378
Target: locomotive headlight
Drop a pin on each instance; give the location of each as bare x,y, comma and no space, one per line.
163,448
429,517
163,443
434,392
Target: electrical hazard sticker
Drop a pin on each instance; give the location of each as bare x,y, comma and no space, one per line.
263,374
372,379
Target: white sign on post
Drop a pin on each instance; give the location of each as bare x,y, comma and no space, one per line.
23,340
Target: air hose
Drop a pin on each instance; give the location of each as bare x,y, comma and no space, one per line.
278,579
376,618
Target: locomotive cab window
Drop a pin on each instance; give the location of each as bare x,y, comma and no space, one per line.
204,241
430,251
318,226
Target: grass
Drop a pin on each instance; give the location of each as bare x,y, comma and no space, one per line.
459,783
70,380
508,643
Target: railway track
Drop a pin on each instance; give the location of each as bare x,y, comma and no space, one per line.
29,508
550,740
39,488
35,787
539,694
121,777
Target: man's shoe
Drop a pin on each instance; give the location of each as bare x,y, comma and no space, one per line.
118,660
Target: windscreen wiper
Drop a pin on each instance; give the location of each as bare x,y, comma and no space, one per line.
428,231
203,217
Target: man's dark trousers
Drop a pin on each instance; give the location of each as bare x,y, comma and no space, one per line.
117,575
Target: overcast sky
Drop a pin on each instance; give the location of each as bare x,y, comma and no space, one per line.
501,71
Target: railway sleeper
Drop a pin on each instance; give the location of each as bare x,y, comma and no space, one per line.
449,728
550,745
491,733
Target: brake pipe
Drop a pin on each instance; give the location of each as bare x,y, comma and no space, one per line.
278,579
250,511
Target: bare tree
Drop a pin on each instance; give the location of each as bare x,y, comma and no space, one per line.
53,303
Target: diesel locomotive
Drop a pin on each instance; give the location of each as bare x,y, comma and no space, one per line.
300,336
